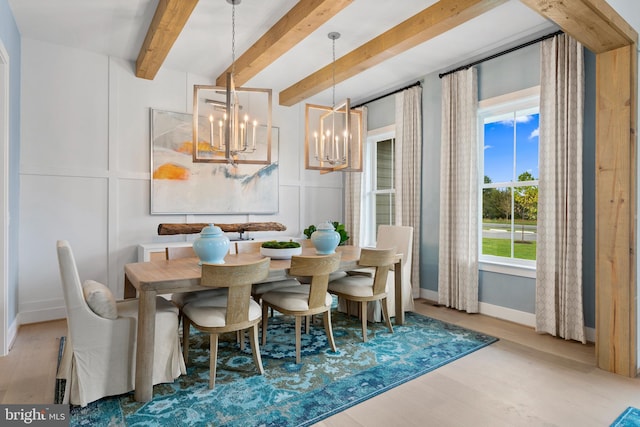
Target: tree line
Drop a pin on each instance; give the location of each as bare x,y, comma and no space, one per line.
496,202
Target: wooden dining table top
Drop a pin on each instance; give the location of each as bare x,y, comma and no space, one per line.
183,274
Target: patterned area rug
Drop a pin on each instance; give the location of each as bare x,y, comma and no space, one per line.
291,394
629,418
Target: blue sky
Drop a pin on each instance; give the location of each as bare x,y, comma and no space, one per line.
499,150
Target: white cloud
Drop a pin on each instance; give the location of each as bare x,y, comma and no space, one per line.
519,119
535,133
488,146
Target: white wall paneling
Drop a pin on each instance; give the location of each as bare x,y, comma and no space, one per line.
85,170
55,208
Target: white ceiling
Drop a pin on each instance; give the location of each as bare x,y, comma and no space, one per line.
118,27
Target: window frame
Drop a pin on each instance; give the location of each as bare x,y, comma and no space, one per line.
511,102
369,190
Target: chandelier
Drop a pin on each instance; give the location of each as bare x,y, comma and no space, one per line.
231,124
333,135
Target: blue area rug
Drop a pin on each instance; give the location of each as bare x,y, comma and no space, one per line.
291,394
629,418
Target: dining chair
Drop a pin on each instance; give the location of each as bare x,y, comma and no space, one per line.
258,289
182,298
304,300
99,354
234,311
363,288
308,243
174,252
400,237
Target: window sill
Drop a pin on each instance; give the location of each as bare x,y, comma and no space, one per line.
504,268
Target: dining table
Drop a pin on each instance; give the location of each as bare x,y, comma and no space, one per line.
149,279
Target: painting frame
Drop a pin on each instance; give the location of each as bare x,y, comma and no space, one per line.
179,186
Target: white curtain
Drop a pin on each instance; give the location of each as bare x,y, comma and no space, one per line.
559,310
408,170
458,252
353,196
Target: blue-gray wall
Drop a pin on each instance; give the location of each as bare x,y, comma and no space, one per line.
381,113
10,37
505,74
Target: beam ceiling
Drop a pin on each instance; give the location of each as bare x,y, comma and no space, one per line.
431,22
303,19
594,23
166,25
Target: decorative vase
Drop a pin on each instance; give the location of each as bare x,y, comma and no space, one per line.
212,245
325,239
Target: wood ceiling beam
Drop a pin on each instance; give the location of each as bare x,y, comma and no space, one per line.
594,23
431,22
303,19
166,25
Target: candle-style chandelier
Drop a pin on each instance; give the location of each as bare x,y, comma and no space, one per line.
333,135
231,124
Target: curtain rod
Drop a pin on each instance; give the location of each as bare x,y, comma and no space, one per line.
464,67
418,83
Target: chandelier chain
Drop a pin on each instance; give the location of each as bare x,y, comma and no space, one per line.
233,37
333,95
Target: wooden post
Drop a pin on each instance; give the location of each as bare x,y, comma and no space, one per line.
616,115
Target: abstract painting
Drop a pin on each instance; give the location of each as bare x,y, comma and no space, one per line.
180,186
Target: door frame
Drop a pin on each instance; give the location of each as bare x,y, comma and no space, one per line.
4,200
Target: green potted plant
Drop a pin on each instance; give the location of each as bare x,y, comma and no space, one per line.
280,250
344,236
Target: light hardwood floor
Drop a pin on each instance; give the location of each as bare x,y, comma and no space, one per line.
525,379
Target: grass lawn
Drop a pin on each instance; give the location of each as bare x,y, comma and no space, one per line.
502,247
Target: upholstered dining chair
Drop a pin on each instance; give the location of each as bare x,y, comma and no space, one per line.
304,300
99,354
400,237
235,311
308,243
252,246
364,288
180,299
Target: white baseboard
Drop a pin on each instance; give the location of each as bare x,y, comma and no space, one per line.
44,315
41,311
504,313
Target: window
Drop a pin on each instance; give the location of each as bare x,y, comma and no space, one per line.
509,129
379,185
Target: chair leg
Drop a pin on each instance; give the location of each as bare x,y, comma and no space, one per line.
298,337
186,325
240,339
307,323
385,313
328,329
255,348
265,319
363,318
213,359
